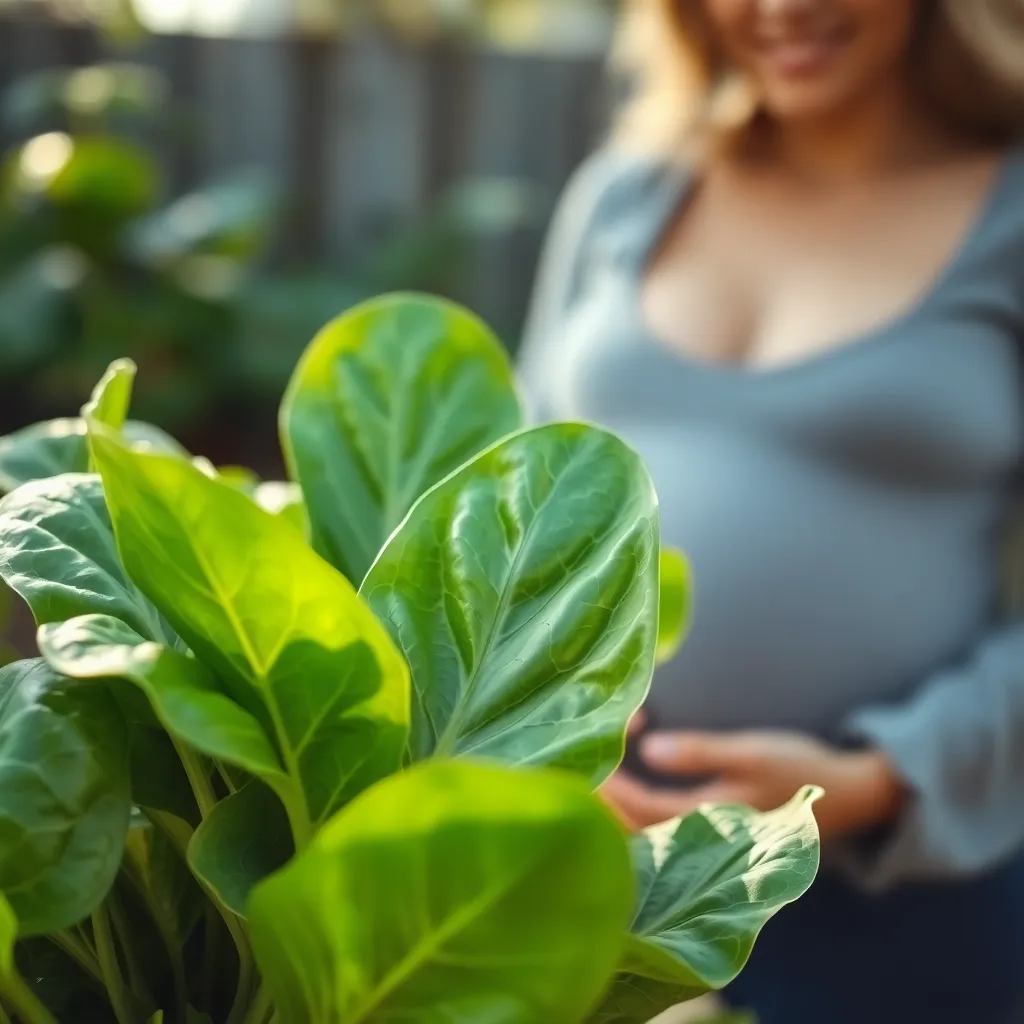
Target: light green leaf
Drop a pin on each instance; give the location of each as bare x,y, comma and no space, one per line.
284,500
388,399
64,796
707,885
452,892
244,839
182,693
673,603
112,395
285,634
59,446
523,590
57,551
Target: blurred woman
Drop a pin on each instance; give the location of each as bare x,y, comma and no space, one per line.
794,281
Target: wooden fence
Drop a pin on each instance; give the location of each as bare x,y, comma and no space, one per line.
361,133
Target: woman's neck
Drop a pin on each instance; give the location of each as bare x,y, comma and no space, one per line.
887,132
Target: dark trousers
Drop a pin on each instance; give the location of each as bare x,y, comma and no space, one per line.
921,954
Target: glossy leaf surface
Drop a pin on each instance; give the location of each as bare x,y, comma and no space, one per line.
285,634
57,551
64,796
387,400
523,591
707,885
451,894
183,694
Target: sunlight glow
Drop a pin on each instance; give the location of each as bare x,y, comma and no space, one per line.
43,159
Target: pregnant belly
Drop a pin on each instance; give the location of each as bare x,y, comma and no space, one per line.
815,592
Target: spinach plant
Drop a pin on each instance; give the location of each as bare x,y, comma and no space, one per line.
323,751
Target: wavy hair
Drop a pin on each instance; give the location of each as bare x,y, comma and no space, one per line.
967,60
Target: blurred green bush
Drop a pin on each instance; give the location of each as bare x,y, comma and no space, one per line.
95,262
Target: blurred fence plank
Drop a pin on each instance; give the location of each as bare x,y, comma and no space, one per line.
362,135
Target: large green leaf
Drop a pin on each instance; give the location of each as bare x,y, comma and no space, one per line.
59,446
183,694
454,893
57,551
707,885
523,590
285,634
64,796
244,839
389,399
673,603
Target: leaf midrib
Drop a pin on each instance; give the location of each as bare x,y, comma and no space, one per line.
459,920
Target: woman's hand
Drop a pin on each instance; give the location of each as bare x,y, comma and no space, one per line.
763,770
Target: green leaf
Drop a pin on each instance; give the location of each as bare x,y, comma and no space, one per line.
245,839
112,395
285,634
284,500
59,446
523,590
182,693
388,399
57,551
673,603
64,796
707,885
452,892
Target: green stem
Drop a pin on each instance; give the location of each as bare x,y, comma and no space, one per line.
79,950
108,965
136,977
296,808
197,778
245,964
226,778
231,921
138,876
261,1008
212,955
23,1002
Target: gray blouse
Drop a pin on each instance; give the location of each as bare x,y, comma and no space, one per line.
841,515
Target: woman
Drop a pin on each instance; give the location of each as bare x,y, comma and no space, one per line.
794,281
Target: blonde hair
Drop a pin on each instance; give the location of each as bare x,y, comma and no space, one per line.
969,63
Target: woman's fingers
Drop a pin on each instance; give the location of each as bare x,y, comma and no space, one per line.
702,753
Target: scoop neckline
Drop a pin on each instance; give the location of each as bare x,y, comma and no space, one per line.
680,193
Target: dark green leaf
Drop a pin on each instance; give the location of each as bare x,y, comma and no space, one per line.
389,399
64,796
452,892
57,551
286,635
673,604
707,885
523,590
159,781
59,446
245,839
